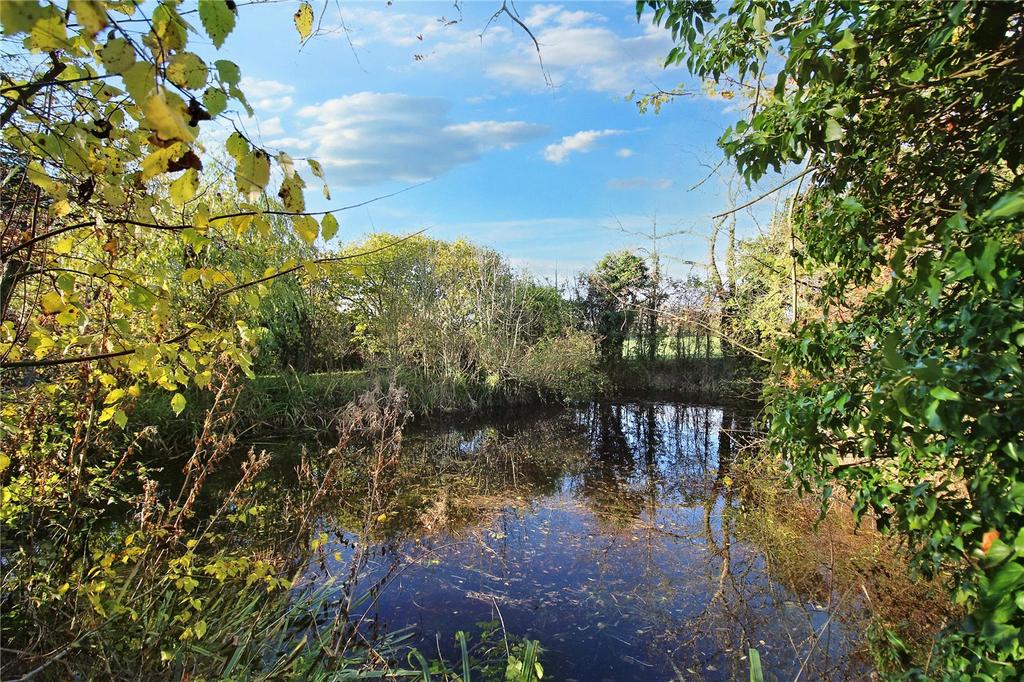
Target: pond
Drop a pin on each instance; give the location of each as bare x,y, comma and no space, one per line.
612,533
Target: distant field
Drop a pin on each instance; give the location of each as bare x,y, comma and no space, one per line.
689,346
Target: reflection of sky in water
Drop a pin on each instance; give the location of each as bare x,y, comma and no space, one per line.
624,569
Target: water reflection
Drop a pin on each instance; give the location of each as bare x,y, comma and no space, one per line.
609,533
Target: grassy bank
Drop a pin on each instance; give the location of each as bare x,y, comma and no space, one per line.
291,401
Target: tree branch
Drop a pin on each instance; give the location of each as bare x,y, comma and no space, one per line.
770,192
214,304
31,89
4,255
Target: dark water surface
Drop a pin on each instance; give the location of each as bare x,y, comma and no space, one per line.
613,534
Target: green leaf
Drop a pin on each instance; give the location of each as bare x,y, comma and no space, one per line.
215,100
759,19
304,20
329,226
20,17
1008,206
916,74
1006,579
847,42
117,55
228,72
756,674
218,20
187,70
943,393
834,131
237,146
178,403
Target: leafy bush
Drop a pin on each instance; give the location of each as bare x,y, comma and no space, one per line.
565,365
906,390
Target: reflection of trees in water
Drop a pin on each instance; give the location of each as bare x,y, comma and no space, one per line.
648,462
663,546
643,454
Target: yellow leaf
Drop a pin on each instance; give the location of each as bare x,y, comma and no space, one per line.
165,113
52,303
5,462
63,246
357,271
184,188
291,194
178,403
202,217
329,226
304,20
252,171
241,224
90,14
61,208
156,163
306,228
49,33
187,70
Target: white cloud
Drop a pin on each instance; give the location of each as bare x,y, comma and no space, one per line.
640,183
290,143
625,153
371,137
580,49
271,127
580,142
268,96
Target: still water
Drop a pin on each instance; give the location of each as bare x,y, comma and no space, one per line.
613,534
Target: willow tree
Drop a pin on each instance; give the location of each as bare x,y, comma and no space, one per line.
906,122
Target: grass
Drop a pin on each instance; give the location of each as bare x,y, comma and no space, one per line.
690,346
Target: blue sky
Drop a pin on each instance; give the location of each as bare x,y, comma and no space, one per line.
542,166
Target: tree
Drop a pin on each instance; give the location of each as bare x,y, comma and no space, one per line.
613,289
108,213
907,393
